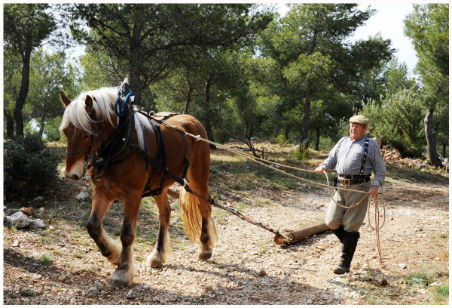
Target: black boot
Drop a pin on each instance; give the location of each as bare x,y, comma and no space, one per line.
339,232
350,240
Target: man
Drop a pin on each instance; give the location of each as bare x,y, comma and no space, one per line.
354,158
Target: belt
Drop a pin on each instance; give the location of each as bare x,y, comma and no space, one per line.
347,179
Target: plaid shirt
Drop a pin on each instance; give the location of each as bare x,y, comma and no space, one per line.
346,158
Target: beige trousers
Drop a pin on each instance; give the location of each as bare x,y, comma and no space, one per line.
351,218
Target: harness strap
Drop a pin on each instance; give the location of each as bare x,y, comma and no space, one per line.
366,152
187,161
108,148
157,134
165,172
161,152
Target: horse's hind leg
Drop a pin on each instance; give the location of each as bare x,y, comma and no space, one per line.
198,221
109,248
123,276
161,248
208,233
198,174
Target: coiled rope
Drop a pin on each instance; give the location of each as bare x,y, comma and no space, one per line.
269,164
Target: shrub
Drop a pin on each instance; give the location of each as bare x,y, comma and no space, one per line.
29,167
281,140
398,121
300,154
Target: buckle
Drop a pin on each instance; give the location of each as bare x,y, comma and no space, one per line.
345,181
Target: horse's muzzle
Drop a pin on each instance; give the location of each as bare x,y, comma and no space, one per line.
75,177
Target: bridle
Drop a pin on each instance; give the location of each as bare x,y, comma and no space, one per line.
86,164
83,151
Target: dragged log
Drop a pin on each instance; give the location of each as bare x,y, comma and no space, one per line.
292,236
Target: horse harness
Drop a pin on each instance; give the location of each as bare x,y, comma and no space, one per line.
161,153
123,142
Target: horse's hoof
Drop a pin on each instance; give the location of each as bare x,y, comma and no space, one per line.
205,255
120,279
154,261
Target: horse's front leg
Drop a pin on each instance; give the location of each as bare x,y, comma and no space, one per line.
108,247
161,248
123,276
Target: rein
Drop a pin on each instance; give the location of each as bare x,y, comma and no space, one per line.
121,109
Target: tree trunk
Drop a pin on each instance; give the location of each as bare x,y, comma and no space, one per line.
23,92
431,144
188,99
306,117
134,79
135,63
9,124
42,123
207,113
317,138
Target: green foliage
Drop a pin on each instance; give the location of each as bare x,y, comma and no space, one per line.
397,118
428,28
281,139
26,26
318,76
147,41
398,122
49,73
45,259
29,166
301,154
27,293
242,75
441,292
419,279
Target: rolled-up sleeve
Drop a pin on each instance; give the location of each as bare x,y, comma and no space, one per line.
378,164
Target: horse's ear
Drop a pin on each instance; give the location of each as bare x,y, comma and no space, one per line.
64,99
89,103
124,88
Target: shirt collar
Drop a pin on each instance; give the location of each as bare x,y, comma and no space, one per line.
362,138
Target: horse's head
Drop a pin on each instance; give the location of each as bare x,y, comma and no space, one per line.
87,119
78,134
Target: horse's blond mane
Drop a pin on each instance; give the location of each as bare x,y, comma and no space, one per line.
103,104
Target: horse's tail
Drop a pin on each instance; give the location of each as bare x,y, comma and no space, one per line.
191,215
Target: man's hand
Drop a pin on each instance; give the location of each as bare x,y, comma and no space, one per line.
373,190
319,169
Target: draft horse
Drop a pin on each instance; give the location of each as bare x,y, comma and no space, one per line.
89,124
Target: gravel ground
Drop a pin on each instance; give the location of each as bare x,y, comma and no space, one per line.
61,265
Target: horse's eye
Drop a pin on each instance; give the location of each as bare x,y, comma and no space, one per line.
86,136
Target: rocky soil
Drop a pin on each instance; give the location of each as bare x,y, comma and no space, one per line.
61,264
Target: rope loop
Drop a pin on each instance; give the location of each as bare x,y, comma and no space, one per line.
269,164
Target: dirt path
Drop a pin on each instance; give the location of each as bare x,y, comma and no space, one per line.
61,265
